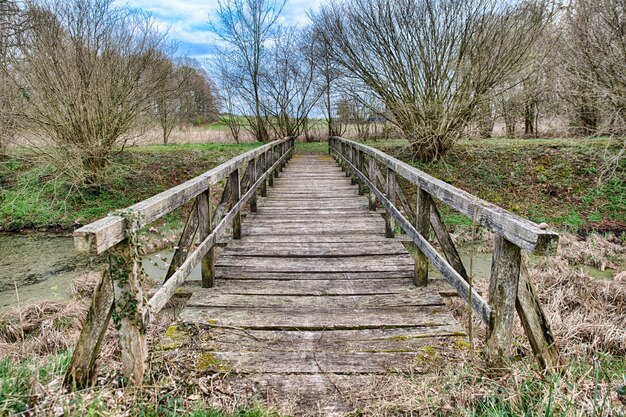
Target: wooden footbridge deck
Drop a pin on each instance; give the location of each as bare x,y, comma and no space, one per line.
317,287
314,287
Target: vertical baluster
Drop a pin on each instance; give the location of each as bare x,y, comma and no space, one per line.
505,270
360,166
235,182
372,178
263,163
204,229
422,225
391,195
253,177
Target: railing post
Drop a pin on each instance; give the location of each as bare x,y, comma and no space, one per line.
204,229
372,177
270,163
360,167
235,183
391,195
253,178
263,164
346,153
129,307
505,271
422,225
354,163
275,159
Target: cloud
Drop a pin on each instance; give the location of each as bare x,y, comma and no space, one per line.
188,20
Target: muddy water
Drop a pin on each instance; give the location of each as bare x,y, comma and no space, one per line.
41,266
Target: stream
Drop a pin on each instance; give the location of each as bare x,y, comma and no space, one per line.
42,266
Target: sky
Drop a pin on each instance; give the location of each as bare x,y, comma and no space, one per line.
187,20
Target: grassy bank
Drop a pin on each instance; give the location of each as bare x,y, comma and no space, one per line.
557,181
34,196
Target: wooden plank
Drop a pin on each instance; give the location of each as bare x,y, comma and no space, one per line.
205,227
297,286
535,323
314,362
422,225
184,242
241,273
81,371
523,233
478,303
409,339
390,192
319,250
318,319
503,283
351,264
102,234
204,298
235,197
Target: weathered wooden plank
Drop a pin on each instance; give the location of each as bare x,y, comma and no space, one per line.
523,233
184,242
535,323
340,238
422,225
503,283
320,250
204,298
314,362
408,339
351,264
241,273
253,230
81,371
296,286
100,235
205,227
318,319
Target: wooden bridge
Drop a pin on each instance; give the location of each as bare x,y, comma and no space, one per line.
314,287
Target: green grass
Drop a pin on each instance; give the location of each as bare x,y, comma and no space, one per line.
545,180
34,196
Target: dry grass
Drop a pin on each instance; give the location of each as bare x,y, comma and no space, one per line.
588,318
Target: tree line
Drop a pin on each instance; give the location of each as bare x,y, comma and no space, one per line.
80,78
84,74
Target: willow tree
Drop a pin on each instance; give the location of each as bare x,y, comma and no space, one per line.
431,62
86,70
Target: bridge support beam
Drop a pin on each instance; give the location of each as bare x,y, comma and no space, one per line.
505,272
390,224
422,225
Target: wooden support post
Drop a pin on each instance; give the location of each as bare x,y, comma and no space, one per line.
184,243
444,239
264,168
81,372
346,153
391,196
353,161
270,163
505,272
361,167
535,323
371,168
274,159
203,204
235,183
128,315
252,167
422,225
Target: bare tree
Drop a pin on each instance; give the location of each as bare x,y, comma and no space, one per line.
431,61
287,82
12,23
244,27
86,70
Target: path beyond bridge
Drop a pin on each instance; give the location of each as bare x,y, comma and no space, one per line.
314,291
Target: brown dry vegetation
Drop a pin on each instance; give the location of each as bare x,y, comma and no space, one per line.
588,318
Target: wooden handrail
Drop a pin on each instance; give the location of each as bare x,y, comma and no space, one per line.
119,292
97,237
523,233
511,234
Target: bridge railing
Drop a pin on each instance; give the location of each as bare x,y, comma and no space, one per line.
509,288
119,295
